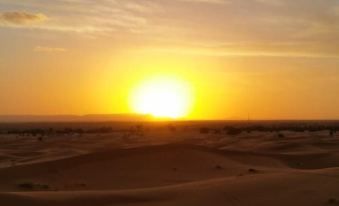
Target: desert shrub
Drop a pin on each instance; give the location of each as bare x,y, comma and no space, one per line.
332,132
332,201
234,131
251,170
102,130
280,135
204,130
219,167
28,185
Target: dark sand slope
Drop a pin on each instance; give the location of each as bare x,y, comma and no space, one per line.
150,166
175,175
275,189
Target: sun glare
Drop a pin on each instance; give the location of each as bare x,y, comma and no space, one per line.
162,97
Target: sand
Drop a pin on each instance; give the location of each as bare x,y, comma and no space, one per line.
170,168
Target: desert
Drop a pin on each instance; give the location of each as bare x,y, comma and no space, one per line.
179,163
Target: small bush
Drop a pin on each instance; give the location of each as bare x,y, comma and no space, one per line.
332,132
204,130
232,130
26,185
33,186
280,135
251,170
219,167
332,201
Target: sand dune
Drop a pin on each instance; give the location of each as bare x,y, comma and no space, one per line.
298,171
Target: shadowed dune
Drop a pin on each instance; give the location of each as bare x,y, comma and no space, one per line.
299,171
272,189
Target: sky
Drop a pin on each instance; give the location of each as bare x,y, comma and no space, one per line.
266,59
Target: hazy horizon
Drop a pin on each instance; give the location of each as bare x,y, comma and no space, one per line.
130,117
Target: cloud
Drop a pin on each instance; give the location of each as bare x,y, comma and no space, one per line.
49,49
208,1
250,52
21,18
233,26
271,2
104,17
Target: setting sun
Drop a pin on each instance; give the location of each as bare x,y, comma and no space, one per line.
162,97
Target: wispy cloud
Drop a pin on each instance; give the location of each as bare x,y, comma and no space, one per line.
208,1
21,18
49,49
271,2
238,25
103,17
212,52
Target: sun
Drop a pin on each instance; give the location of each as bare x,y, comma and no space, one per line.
164,97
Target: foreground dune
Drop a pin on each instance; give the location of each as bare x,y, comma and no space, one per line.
221,171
